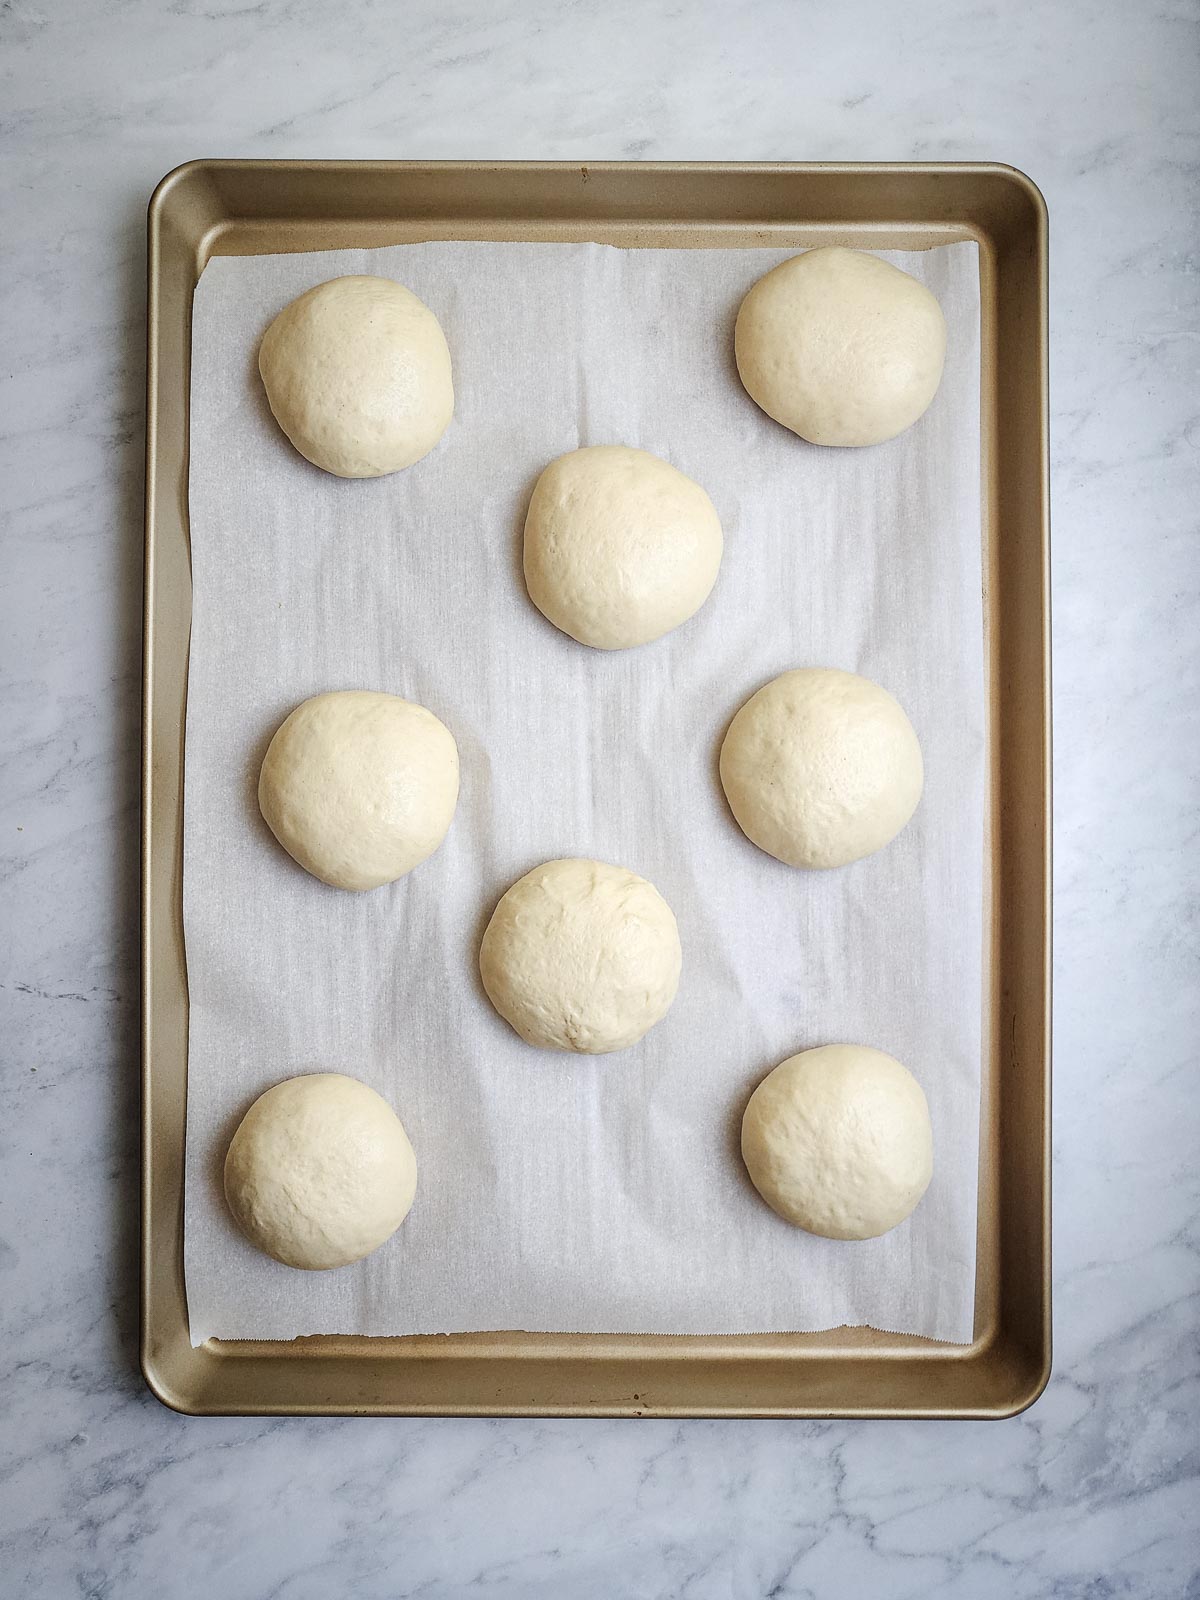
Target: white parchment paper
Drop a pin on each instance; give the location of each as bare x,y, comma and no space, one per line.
559,1193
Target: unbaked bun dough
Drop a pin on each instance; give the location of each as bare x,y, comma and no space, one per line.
359,787
320,1171
821,767
838,1141
840,347
580,955
357,373
620,547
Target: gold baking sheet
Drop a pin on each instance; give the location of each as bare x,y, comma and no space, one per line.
244,207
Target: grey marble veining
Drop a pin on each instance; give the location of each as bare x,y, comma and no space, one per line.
1092,1493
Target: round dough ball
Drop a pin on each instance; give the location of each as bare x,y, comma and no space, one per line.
320,1171
840,347
580,955
821,767
357,372
619,547
838,1141
359,787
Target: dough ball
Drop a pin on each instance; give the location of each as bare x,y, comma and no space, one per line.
359,787
320,1171
840,347
581,956
838,1141
821,767
619,547
357,373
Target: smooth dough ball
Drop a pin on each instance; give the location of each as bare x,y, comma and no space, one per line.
841,347
619,546
821,767
580,955
357,372
359,787
320,1171
838,1141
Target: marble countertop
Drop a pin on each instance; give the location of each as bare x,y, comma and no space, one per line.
1092,1492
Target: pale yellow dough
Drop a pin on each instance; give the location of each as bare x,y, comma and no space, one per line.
357,373
841,347
838,1141
821,767
359,787
320,1171
620,547
580,955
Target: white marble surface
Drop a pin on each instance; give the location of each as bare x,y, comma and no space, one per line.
1093,1492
